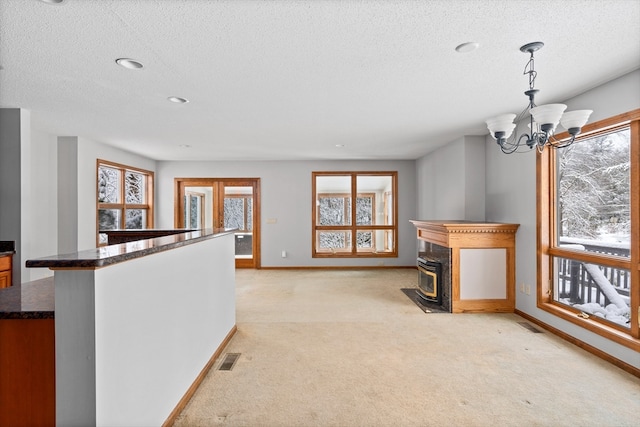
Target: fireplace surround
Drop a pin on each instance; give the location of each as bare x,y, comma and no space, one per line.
478,263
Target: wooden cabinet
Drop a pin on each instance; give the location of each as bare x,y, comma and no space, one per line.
5,270
27,372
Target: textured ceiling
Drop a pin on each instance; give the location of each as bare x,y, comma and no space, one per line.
291,79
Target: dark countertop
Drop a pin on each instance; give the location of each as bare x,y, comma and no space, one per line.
113,254
31,300
7,247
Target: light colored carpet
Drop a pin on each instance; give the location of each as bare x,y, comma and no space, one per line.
348,348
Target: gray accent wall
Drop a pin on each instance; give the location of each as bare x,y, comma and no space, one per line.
286,197
15,178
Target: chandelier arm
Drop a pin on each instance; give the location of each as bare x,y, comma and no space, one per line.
565,143
528,140
508,149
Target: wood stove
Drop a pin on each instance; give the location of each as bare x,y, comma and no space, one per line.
430,280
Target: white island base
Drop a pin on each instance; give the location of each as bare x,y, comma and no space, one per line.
133,336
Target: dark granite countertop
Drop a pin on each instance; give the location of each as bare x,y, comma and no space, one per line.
113,254
31,300
7,247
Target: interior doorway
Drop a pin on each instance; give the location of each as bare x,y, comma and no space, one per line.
222,203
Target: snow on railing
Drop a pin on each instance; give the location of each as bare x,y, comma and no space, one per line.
595,289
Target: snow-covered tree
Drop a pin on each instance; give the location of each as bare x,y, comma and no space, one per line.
594,187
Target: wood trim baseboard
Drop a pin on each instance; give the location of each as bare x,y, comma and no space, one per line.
335,267
171,419
583,345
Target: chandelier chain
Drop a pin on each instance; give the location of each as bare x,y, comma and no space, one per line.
530,69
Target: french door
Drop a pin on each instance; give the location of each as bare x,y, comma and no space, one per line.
223,203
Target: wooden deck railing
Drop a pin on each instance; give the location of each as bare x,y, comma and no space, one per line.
577,285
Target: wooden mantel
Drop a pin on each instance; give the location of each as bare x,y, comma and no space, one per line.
483,257
466,234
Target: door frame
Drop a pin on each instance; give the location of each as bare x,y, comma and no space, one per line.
178,205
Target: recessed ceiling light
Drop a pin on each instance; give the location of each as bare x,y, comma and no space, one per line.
52,1
340,145
129,63
178,100
467,47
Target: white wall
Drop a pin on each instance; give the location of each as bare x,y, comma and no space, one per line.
474,184
286,196
511,197
451,181
80,203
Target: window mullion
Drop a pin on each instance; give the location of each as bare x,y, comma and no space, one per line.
354,208
246,213
635,227
123,210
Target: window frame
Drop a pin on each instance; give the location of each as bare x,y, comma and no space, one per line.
548,247
123,206
353,227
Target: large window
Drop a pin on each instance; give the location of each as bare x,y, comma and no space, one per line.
125,198
589,226
366,227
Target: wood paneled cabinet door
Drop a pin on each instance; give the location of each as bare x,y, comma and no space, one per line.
5,271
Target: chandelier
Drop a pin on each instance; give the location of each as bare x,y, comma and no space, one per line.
543,119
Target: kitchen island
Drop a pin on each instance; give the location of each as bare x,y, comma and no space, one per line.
138,324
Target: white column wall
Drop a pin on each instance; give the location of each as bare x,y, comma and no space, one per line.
67,186
42,216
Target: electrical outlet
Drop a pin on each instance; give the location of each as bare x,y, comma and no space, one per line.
528,289
522,287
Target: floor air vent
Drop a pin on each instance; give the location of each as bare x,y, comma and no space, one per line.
530,327
228,362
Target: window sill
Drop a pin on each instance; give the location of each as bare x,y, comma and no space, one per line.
609,332
352,255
